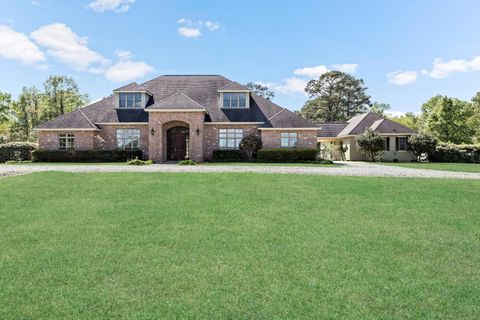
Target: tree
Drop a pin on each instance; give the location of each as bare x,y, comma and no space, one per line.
5,107
371,143
409,120
475,120
380,108
448,119
26,114
422,143
62,96
261,90
335,96
250,145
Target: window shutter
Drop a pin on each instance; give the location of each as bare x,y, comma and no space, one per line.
396,143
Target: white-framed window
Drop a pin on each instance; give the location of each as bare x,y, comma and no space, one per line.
130,100
401,144
288,139
229,138
128,139
66,141
234,100
387,144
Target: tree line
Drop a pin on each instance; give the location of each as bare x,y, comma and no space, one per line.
337,96
33,106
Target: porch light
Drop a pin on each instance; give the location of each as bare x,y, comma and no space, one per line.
198,131
152,132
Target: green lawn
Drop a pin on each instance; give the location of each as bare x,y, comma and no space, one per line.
289,164
251,246
462,167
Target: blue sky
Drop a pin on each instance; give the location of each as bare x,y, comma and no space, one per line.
406,51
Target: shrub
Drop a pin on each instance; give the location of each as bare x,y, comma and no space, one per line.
139,162
228,155
250,145
16,151
422,143
187,162
457,153
85,155
371,143
287,155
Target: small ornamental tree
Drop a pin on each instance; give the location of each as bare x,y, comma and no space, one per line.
371,143
422,143
250,145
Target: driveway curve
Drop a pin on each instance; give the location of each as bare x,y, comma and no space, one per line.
345,169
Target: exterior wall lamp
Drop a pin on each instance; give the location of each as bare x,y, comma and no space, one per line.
198,132
152,132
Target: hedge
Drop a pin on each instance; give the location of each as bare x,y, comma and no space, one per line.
16,151
228,155
456,153
85,155
287,155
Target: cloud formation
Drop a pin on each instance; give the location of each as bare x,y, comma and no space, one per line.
442,69
193,29
126,69
402,78
17,46
110,5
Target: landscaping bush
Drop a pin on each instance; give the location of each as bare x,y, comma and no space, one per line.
466,153
370,143
85,155
16,151
139,162
187,162
287,155
228,155
422,143
250,145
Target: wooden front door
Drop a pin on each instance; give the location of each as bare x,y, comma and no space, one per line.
177,143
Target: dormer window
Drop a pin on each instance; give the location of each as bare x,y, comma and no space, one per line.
130,100
235,100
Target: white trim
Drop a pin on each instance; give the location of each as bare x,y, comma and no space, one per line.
223,90
65,129
122,123
283,129
232,123
175,110
247,99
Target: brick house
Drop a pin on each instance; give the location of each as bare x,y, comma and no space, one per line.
173,117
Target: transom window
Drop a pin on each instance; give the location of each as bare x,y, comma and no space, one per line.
128,139
234,100
130,100
66,141
289,139
387,144
229,138
401,143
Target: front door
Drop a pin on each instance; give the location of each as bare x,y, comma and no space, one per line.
177,143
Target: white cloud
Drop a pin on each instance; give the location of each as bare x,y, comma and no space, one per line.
291,85
110,5
311,72
17,46
401,78
442,69
212,26
35,3
66,46
126,69
346,67
189,32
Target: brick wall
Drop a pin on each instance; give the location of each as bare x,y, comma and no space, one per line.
305,138
210,139
48,140
161,121
106,139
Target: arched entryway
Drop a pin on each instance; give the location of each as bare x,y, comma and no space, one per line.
177,143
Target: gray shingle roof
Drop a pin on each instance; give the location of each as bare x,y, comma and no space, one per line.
376,122
176,101
131,87
202,89
389,126
74,119
234,86
330,129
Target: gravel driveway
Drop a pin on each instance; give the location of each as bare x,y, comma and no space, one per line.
346,169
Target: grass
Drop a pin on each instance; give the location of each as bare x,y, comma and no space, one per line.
297,164
238,246
461,167
29,163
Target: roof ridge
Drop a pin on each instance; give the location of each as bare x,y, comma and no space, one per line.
60,116
89,121
175,94
276,114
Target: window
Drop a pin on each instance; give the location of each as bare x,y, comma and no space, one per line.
130,100
66,141
128,139
289,139
387,143
229,138
401,144
234,100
